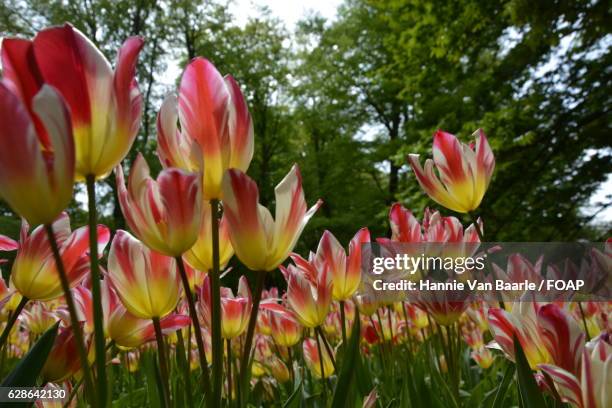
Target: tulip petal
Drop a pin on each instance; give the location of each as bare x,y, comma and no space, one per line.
203,114
240,128
241,209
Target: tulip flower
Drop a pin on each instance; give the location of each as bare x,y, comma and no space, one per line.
84,304
61,363
309,291
235,310
39,165
366,303
547,334
216,131
278,369
34,274
345,270
164,214
38,318
105,105
313,359
464,172
199,256
129,331
286,330
590,388
483,357
146,281
261,242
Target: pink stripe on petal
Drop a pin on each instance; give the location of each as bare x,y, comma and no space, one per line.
8,244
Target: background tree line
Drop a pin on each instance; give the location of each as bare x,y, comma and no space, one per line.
348,99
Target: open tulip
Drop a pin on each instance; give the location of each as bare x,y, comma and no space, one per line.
260,241
38,318
313,359
216,128
146,281
84,304
37,161
199,256
34,272
309,291
286,330
235,310
61,363
129,331
591,387
164,214
464,172
105,105
547,334
345,271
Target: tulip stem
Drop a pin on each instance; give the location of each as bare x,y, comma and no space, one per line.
76,326
182,359
584,322
476,226
321,366
246,353
12,320
95,292
327,346
343,323
163,362
196,328
215,296
229,371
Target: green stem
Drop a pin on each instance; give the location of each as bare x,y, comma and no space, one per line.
12,319
586,328
75,324
246,352
196,328
95,293
163,362
322,367
481,238
215,296
290,358
183,361
327,347
229,371
343,323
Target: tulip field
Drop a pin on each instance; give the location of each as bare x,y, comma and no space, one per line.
146,315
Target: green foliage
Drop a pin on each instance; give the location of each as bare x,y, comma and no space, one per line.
530,394
26,373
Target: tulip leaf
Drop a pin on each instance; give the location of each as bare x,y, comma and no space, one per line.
349,364
294,399
528,388
503,387
29,368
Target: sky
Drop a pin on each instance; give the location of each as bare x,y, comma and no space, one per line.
290,11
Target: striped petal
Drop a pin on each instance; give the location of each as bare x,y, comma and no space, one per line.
562,337
240,128
291,216
203,113
147,282
244,219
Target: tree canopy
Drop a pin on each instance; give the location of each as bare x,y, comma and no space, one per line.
348,99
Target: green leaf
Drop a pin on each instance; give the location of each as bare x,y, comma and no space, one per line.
29,368
347,371
503,387
528,388
153,380
294,399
